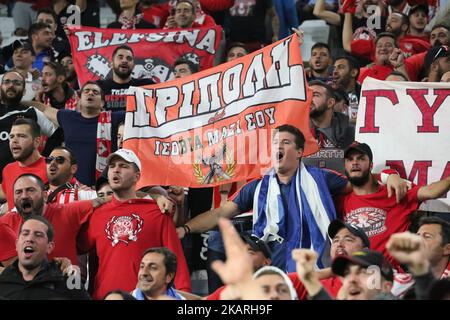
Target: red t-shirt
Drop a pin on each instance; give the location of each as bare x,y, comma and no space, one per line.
14,170
375,71
332,285
66,220
414,45
121,232
7,239
378,215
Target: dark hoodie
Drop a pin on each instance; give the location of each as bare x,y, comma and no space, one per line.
48,284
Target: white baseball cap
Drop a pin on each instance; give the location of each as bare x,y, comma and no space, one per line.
126,155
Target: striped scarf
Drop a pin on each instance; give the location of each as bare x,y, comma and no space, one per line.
103,141
310,211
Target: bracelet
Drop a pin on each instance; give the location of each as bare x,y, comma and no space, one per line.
186,228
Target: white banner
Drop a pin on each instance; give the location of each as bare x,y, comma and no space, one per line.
407,125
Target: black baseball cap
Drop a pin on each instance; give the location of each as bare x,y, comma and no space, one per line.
257,244
361,147
337,225
418,7
23,44
364,259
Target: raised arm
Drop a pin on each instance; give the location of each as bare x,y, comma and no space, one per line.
49,112
434,190
347,32
329,16
208,220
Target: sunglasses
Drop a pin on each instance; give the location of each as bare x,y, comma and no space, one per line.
58,159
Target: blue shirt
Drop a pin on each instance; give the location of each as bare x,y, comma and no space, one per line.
80,135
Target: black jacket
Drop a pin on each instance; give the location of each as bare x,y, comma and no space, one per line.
342,133
48,284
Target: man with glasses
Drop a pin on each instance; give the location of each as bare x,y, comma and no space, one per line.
63,187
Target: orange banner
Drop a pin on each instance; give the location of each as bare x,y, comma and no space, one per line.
216,126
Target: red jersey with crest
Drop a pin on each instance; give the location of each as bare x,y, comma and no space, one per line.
121,232
378,215
66,220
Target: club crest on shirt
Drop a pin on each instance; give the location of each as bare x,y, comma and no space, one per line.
371,220
123,229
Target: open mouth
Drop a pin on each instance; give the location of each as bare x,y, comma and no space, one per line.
27,205
116,179
279,155
53,170
354,292
15,149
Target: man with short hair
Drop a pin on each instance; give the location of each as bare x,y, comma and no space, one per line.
30,198
63,187
32,276
369,205
55,90
24,140
41,37
115,88
435,233
418,20
184,15
183,68
12,90
156,275
320,62
345,240
60,43
357,271
85,129
413,250
122,229
345,76
331,129
23,58
71,75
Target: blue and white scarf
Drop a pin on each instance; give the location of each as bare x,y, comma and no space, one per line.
310,211
171,292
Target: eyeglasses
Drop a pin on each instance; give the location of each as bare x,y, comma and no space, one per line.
58,159
13,82
442,48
